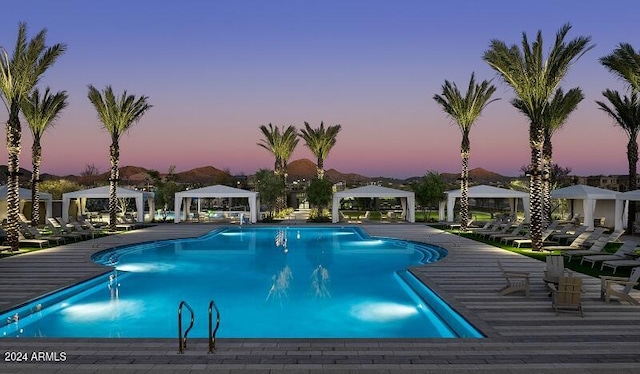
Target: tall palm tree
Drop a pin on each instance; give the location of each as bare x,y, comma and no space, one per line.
625,111
40,113
534,80
117,116
280,143
560,107
19,74
320,141
464,111
624,62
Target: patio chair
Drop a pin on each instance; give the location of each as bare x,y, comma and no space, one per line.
566,296
516,281
31,232
619,287
622,253
555,269
365,217
596,249
615,264
519,229
570,236
575,244
39,242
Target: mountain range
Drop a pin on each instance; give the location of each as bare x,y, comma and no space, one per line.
297,169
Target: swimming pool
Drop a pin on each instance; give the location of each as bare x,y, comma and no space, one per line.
268,282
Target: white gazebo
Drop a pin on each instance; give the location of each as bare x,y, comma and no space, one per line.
595,202
486,192
407,199
25,195
217,191
81,197
622,206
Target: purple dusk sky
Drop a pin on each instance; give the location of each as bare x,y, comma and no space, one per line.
215,71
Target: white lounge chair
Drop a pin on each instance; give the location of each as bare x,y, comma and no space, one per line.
621,254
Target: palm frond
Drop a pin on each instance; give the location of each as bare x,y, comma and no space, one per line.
624,62
625,111
42,112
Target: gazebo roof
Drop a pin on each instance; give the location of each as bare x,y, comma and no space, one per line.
217,190
580,191
374,191
484,191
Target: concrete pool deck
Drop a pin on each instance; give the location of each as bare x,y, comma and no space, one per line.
523,334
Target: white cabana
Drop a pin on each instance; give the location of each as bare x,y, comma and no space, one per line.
485,192
212,192
407,199
25,195
81,197
596,202
622,206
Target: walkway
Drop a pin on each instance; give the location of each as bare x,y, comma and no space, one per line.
523,334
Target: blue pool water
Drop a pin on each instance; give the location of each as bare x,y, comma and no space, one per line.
268,282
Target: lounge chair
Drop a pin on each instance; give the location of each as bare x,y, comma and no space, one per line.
615,264
458,225
365,217
38,242
516,281
612,238
503,229
622,253
555,269
570,236
566,295
515,231
545,236
619,287
596,248
487,225
31,232
575,244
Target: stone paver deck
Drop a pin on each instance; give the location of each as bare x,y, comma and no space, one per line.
522,334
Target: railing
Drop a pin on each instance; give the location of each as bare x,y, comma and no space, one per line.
182,340
212,331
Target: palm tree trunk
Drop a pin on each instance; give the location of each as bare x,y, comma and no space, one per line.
632,157
547,155
36,157
536,141
320,168
464,182
14,134
114,157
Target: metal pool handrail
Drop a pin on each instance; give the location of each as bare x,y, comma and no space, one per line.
212,332
182,340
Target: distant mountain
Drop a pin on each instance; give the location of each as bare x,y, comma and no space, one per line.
297,169
479,176
204,175
305,168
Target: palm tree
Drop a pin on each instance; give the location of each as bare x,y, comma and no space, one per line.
320,141
117,116
626,113
625,63
464,111
19,74
40,113
281,143
560,107
534,80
